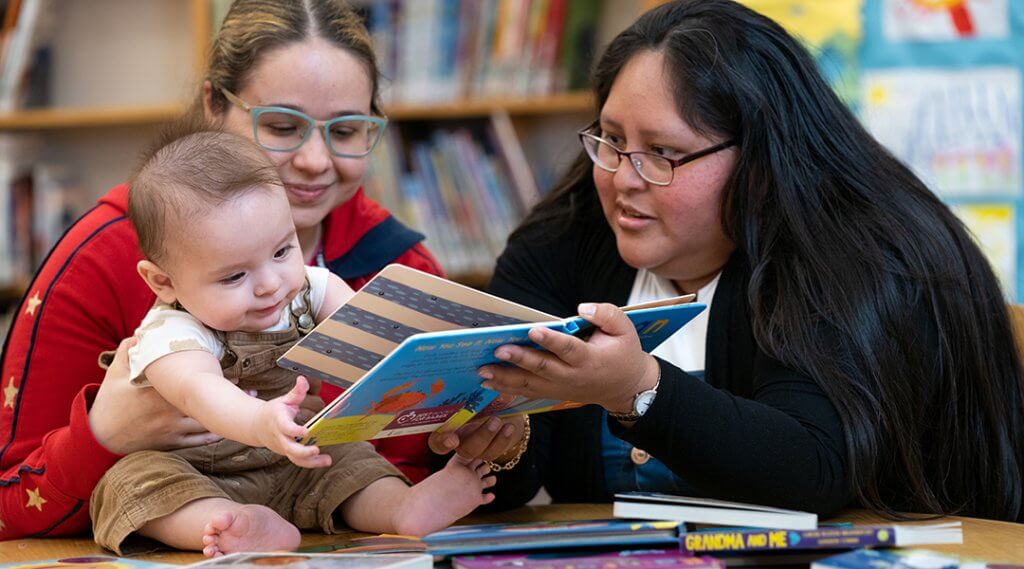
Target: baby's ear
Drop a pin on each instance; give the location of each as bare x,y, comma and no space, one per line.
158,280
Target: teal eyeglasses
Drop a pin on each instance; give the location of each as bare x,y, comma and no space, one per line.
280,129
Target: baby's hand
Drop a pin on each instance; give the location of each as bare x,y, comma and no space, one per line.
275,428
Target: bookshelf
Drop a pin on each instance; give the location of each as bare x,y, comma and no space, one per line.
56,119
98,117
113,84
572,102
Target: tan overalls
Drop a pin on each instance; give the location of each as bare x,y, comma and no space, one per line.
147,485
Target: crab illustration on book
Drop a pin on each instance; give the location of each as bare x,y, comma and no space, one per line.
398,399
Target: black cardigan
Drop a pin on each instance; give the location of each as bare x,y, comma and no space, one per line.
753,431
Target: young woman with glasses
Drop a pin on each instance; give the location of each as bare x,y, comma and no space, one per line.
300,78
857,348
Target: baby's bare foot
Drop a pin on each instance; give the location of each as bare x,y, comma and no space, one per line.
444,497
248,528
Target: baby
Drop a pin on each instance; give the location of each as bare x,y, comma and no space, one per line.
233,294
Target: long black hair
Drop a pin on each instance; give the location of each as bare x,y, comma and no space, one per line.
849,254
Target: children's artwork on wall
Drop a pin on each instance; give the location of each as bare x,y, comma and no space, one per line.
831,30
938,82
959,130
994,227
943,20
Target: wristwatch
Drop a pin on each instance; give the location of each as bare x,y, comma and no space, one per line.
641,403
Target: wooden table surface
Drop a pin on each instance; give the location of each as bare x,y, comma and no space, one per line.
983,539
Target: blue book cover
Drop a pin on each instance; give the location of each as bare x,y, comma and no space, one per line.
459,540
408,345
899,559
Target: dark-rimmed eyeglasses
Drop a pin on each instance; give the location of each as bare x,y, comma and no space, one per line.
280,129
654,168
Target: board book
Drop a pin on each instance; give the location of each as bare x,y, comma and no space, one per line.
407,347
852,537
533,536
654,506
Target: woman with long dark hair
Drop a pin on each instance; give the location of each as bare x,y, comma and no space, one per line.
857,347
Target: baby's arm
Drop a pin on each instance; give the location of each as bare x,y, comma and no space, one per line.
193,382
338,293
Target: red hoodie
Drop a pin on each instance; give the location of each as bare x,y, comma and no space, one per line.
85,299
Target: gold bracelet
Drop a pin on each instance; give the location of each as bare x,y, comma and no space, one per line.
511,463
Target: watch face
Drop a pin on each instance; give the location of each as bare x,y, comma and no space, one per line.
643,401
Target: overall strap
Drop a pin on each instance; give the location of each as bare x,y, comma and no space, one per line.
302,315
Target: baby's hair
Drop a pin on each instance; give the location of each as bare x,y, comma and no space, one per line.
189,169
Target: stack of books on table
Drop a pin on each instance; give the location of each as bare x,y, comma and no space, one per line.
684,533
679,532
760,535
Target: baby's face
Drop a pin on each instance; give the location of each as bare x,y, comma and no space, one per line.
239,265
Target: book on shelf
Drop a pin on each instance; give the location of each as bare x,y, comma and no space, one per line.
852,537
579,45
218,10
448,50
640,559
654,506
465,186
548,535
25,54
20,23
506,139
903,559
319,561
406,348
35,207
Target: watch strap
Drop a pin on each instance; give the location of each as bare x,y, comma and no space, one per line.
635,414
631,416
